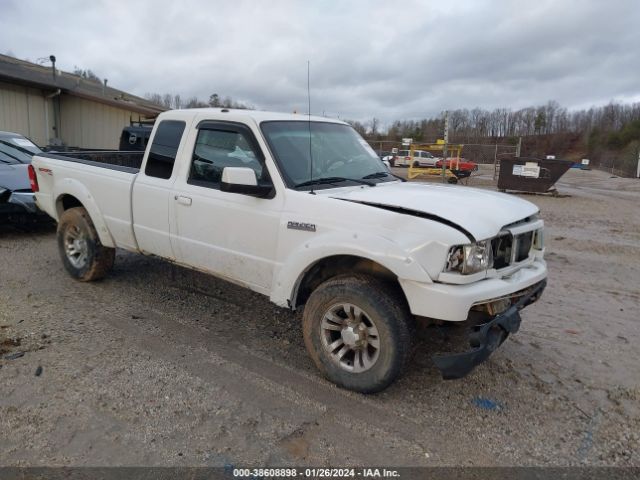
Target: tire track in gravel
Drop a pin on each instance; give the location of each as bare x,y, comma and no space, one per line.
282,391
358,428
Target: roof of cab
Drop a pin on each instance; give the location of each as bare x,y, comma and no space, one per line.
257,116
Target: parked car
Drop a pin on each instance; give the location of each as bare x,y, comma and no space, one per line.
17,202
336,234
461,168
458,164
420,158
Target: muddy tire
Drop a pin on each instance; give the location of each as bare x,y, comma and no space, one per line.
358,332
82,253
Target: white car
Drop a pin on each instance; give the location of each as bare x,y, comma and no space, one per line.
303,211
420,158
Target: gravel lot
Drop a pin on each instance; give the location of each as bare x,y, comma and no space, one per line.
158,365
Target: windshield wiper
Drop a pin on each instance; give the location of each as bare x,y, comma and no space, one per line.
376,175
384,174
319,181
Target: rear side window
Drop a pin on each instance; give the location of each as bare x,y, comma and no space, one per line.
162,155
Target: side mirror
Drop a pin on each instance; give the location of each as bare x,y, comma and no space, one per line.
243,180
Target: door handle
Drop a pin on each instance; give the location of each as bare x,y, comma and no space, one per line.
182,200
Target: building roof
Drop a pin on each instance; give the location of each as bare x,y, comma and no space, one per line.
13,70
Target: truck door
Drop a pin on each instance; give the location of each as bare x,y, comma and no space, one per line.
229,234
152,191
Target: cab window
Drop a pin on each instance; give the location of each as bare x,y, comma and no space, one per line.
163,151
217,148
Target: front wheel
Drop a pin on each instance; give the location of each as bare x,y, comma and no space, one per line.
358,332
82,253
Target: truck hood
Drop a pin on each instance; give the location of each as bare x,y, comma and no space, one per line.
480,214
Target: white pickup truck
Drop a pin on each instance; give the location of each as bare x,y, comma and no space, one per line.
302,210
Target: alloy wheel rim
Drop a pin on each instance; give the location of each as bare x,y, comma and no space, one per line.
350,337
75,247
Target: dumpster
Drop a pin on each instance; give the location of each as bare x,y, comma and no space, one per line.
535,175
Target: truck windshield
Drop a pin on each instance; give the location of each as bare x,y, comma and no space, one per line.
341,157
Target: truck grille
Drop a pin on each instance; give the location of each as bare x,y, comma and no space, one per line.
509,249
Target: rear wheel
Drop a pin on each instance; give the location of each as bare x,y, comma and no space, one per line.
416,164
82,253
358,332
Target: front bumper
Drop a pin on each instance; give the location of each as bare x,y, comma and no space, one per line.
485,338
450,302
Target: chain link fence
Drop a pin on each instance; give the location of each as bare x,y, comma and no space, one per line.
475,152
480,153
484,154
384,147
622,163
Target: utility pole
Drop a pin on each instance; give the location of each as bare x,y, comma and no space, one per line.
638,171
519,147
444,147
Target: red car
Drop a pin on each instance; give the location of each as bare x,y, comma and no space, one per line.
462,166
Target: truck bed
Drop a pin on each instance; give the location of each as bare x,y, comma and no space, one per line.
101,181
129,162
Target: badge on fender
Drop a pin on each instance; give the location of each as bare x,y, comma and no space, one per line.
307,227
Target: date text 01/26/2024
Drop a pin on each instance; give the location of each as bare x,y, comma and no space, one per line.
315,473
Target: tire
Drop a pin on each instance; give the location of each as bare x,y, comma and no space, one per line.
392,162
383,336
452,180
416,164
82,253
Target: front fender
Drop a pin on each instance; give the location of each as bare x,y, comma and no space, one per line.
69,186
375,248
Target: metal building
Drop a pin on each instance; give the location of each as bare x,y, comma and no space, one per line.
58,108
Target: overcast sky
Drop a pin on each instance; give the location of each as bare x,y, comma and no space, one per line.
392,59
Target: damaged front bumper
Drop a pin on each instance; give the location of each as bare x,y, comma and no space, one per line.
486,337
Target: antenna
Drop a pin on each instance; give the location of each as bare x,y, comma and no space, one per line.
309,123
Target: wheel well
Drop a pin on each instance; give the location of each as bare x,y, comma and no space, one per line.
65,202
329,267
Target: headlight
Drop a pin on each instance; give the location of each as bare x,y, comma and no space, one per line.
468,259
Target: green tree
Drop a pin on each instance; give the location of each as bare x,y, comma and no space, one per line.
214,100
